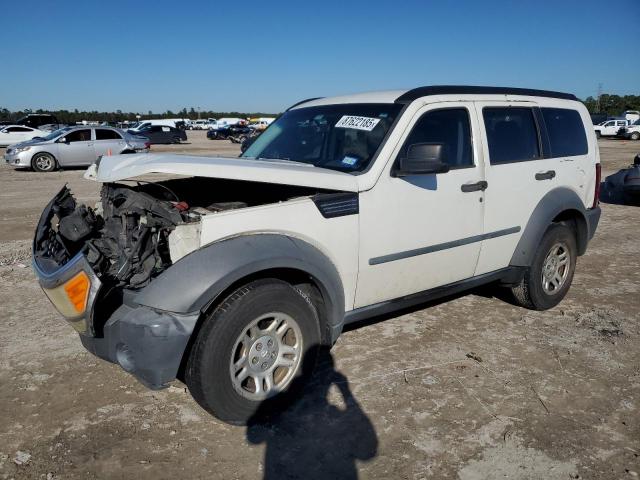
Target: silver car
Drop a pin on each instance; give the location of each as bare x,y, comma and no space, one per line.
73,146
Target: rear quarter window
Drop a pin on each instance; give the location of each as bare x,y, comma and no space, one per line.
566,133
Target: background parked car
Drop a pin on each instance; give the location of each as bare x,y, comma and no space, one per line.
236,132
161,134
199,125
609,128
630,132
73,146
18,133
35,120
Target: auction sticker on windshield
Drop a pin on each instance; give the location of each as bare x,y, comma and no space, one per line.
359,123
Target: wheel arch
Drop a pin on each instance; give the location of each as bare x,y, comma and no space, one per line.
202,279
559,205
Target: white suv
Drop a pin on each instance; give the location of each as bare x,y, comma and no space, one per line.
232,276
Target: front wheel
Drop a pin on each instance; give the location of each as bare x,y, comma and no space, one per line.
253,351
43,162
635,136
548,279
598,134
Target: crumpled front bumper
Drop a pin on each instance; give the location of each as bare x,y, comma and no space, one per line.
147,343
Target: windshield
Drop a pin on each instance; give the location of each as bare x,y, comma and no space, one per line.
341,137
56,133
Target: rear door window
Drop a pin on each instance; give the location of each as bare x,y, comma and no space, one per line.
104,134
512,134
567,137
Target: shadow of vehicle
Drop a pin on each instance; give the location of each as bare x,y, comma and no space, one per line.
623,187
313,438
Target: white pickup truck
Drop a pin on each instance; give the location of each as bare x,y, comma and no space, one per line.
234,273
609,128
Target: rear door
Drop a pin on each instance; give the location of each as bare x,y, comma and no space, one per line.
528,152
108,142
77,148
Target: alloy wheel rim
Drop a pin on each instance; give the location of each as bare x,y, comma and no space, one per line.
43,162
266,356
555,268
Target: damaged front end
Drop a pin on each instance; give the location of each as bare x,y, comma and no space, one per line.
123,242
93,262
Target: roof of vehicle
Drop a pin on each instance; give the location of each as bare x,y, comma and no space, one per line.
2,127
407,96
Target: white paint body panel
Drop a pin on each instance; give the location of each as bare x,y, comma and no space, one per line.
408,213
336,238
513,192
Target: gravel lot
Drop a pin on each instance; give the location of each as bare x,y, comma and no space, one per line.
471,387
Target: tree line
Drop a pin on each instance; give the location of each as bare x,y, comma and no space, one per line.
73,116
612,105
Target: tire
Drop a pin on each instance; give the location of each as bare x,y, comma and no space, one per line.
229,357
43,162
598,134
543,288
635,136
176,140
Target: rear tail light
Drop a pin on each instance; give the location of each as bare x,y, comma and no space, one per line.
596,192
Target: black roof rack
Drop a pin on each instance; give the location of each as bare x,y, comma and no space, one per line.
476,90
302,101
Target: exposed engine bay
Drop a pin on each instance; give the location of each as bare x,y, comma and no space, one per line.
126,237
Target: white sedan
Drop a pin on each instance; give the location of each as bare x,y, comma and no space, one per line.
18,133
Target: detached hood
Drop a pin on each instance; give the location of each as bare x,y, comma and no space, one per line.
121,167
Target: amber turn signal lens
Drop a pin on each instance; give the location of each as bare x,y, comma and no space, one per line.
77,289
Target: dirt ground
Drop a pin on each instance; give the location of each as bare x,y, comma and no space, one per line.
470,388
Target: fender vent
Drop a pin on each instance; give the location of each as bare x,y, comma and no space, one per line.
333,205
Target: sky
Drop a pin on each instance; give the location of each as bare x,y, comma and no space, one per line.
253,56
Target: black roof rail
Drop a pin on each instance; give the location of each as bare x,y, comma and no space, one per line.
301,102
478,90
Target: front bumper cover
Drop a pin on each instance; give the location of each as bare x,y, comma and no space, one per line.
147,343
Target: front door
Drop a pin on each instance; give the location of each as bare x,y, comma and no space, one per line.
77,148
422,231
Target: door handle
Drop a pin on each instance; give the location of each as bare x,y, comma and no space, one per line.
474,187
546,175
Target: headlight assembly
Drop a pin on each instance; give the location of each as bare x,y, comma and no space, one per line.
21,149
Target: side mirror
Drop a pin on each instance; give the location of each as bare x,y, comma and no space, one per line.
62,140
422,159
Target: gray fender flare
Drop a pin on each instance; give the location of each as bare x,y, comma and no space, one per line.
550,206
196,280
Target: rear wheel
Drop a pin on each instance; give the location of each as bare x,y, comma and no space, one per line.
548,279
43,162
253,351
635,136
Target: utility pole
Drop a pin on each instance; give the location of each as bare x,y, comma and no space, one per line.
598,98
198,113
